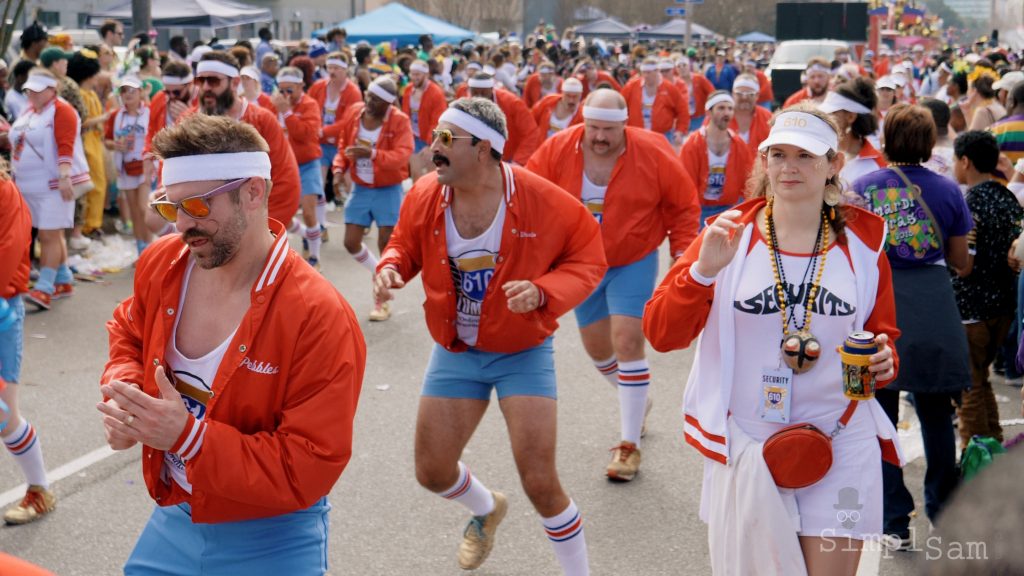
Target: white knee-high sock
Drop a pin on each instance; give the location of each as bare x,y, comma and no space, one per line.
566,534
609,369
367,259
321,210
634,380
313,239
27,451
471,493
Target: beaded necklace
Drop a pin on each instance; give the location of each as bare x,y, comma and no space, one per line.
800,349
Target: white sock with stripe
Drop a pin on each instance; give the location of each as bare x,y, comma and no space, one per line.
27,451
566,534
471,493
321,210
609,369
313,240
367,259
634,380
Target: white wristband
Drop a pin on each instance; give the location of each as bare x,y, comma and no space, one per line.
700,278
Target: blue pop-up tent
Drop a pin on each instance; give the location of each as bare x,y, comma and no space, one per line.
756,37
398,23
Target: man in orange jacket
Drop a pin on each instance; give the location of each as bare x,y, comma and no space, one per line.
503,254
749,121
556,112
299,116
374,147
522,129
817,74
698,89
173,101
631,182
217,367
717,159
656,105
541,84
334,94
423,102
217,77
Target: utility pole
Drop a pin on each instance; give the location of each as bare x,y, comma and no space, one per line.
688,6
142,16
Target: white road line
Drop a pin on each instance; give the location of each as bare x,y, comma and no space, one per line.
60,473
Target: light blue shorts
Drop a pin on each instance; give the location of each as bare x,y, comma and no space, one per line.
419,144
473,374
623,291
171,545
312,180
329,151
368,205
12,343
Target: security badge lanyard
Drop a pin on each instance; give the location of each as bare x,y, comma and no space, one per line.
776,393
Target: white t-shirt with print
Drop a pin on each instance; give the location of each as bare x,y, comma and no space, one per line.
364,166
472,262
593,197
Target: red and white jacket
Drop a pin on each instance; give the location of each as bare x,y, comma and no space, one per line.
278,429
548,237
682,309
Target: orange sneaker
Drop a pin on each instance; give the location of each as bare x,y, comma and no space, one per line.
38,502
37,298
625,462
63,291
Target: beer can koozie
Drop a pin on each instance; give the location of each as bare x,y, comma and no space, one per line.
856,351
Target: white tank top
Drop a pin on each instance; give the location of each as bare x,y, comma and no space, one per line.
472,264
364,166
193,379
593,197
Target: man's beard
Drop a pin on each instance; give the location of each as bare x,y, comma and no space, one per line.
224,243
223,103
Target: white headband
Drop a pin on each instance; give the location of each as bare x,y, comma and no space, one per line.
605,114
177,80
229,166
481,83
474,66
572,86
665,65
819,68
648,67
475,127
718,99
419,67
488,69
746,83
218,67
835,101
547,69
289,78
381,93
337,62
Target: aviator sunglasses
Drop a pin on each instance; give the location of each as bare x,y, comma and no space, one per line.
447,137
197,207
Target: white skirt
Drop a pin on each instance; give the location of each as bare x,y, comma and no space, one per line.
49,210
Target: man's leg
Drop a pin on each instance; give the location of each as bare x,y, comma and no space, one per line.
597,341
935,412
452,405
532,427
170,545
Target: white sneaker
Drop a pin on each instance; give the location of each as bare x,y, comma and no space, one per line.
79,243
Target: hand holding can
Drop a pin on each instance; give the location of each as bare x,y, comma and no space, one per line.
858,380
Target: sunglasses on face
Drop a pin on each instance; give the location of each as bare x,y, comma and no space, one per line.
177,93
446,137
211,81
288,91
196,207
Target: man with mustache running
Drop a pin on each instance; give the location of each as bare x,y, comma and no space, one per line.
503,253
636,189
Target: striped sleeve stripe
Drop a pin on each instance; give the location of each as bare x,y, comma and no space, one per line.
64,159
566,531
196,444
190,440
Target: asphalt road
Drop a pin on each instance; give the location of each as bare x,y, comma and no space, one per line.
382,522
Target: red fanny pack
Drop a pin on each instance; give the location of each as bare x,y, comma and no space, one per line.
800,455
